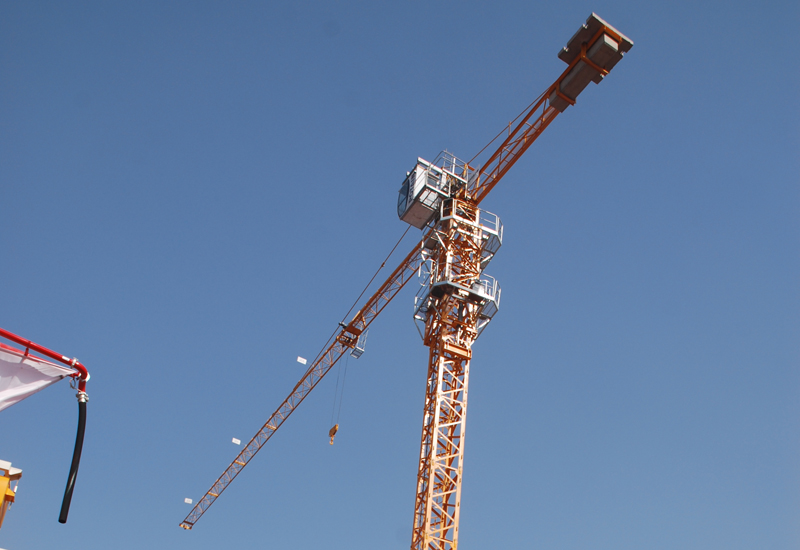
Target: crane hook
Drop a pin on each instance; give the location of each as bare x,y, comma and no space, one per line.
332,432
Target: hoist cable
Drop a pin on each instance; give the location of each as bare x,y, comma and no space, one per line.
341,397
383,264
376,273
335,415
335,393
504,130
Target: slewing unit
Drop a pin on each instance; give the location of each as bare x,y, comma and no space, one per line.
460,241
457,299
459,227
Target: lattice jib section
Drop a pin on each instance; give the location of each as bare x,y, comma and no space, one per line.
341,344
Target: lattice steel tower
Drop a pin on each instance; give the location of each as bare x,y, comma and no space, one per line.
455,303
456,299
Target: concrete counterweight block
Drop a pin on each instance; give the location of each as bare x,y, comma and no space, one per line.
581,74
605,53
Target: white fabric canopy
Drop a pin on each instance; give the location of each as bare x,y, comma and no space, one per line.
21,376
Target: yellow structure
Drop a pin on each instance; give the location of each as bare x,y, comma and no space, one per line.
7,475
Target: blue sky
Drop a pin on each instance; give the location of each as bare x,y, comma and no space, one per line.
192,194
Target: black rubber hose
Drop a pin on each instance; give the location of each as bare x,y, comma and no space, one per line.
76,461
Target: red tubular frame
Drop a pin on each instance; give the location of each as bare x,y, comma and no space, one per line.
82,375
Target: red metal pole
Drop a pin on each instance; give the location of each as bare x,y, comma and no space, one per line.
82,374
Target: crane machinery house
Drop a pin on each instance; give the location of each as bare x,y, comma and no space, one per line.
456,299
595,63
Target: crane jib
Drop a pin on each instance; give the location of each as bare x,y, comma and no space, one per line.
590,54
327,358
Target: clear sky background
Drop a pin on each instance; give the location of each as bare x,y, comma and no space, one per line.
192,194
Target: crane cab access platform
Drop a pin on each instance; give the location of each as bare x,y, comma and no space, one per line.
427,185
438,279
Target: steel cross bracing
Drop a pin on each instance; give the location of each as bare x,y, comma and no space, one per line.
453,311
454,314
533,122
344,341
450,330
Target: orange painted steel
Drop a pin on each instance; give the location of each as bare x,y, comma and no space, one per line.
450,330
343,342
533,122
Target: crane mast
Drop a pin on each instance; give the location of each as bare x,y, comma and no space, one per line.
456,300
457,304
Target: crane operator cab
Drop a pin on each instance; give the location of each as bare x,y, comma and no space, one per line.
426,185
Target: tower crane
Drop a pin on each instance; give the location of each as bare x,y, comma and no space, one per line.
456,300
